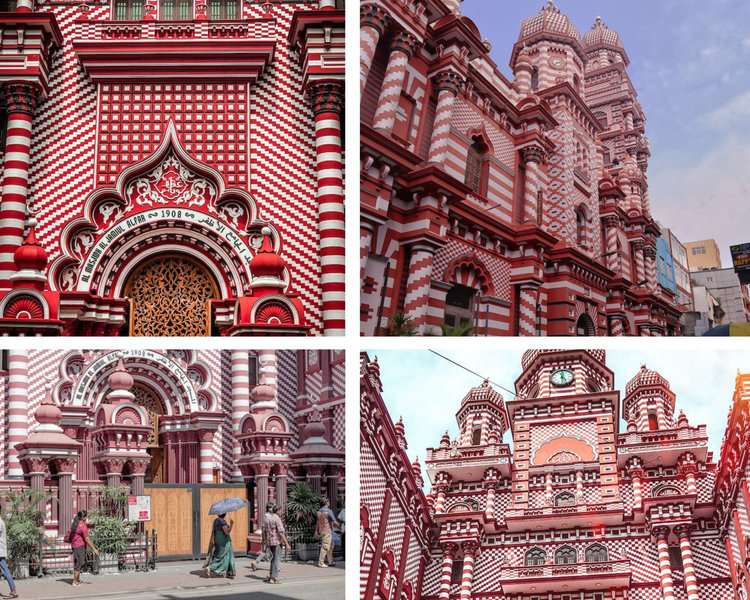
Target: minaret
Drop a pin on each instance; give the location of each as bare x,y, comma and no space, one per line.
649,401
548,52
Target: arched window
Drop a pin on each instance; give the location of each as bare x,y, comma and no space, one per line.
175,10
535,557
565,499
476,435
535,79
585,326
596,553
653,423
128,10
566,556
460,306
593,386
577,83
581,225
477,167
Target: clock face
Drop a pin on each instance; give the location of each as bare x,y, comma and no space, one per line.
557,62
562,377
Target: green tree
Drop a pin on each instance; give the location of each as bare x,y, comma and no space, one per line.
401,325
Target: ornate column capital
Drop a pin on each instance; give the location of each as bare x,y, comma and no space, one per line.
21,97
327,96
449,81
611,221
470,547
405,42
138,467
660,531
34,466
534,153
66,466
684,529
638,244
449,548
649,251
491,477
373,15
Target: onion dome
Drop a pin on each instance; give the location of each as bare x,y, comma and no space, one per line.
483,393
416,470
601,36
445,441
682,420
48,415
120,382
314,431
30,255
266,266
645,378
530,355
549,21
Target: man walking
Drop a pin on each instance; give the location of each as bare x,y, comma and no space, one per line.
4,562
324,530
273,536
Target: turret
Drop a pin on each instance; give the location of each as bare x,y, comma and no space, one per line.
649,401
481,415
548,52
603,46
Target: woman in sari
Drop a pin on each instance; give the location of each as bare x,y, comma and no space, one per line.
221,556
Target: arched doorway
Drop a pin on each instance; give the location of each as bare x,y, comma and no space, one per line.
146,398
585,326
170,297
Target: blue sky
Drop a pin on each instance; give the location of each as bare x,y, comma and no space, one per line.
690,62
426,390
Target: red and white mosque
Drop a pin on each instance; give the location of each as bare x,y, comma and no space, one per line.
74,421
171,167
578,510
515,206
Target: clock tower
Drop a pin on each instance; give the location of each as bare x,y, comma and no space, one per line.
564,422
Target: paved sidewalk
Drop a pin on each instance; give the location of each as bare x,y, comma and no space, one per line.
185,579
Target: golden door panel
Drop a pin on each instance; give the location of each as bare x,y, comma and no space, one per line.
172,517
240,531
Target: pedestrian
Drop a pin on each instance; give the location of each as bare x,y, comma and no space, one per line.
273,536
222,554
324,530
342,521
78,537
4,560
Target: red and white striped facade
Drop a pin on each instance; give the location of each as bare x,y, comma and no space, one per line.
531,192
190,417
577,510
235,123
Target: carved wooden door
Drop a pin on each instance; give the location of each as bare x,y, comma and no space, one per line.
170,297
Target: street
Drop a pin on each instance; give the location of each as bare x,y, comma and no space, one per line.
185,579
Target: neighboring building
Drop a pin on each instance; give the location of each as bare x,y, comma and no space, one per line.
703,254
518,207
684,293
725,286
706,314
175,168
182,426
665,266
578,509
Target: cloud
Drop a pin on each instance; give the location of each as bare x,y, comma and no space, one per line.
736,111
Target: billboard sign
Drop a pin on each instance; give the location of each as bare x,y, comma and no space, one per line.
741,261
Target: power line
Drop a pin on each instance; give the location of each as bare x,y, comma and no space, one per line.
482,377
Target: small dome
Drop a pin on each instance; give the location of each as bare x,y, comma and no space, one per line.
601,36
30,255
645,378
266,263
263,393
120,379
314,429
483,393
48,413
549,21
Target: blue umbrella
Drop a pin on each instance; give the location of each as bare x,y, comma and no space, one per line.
227,505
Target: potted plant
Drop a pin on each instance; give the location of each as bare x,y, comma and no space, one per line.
110,536
302,507
23,521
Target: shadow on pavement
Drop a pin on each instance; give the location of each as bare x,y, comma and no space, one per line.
246,595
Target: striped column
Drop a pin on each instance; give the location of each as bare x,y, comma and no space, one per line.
649,253
402,48
440,502
687,468
533,157
447,84
579,484
268,370
489,511
446,571
240,402
66,468
25,6
637,488
20,99
416,301
665,569
328,103
527,301
17,420
372,22
548,487
207,459
613,256
281,485
640,268
642,414
691,583
467,575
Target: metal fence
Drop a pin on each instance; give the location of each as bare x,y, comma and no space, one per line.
55,556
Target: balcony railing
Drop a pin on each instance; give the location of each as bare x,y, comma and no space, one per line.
173,30
584,576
